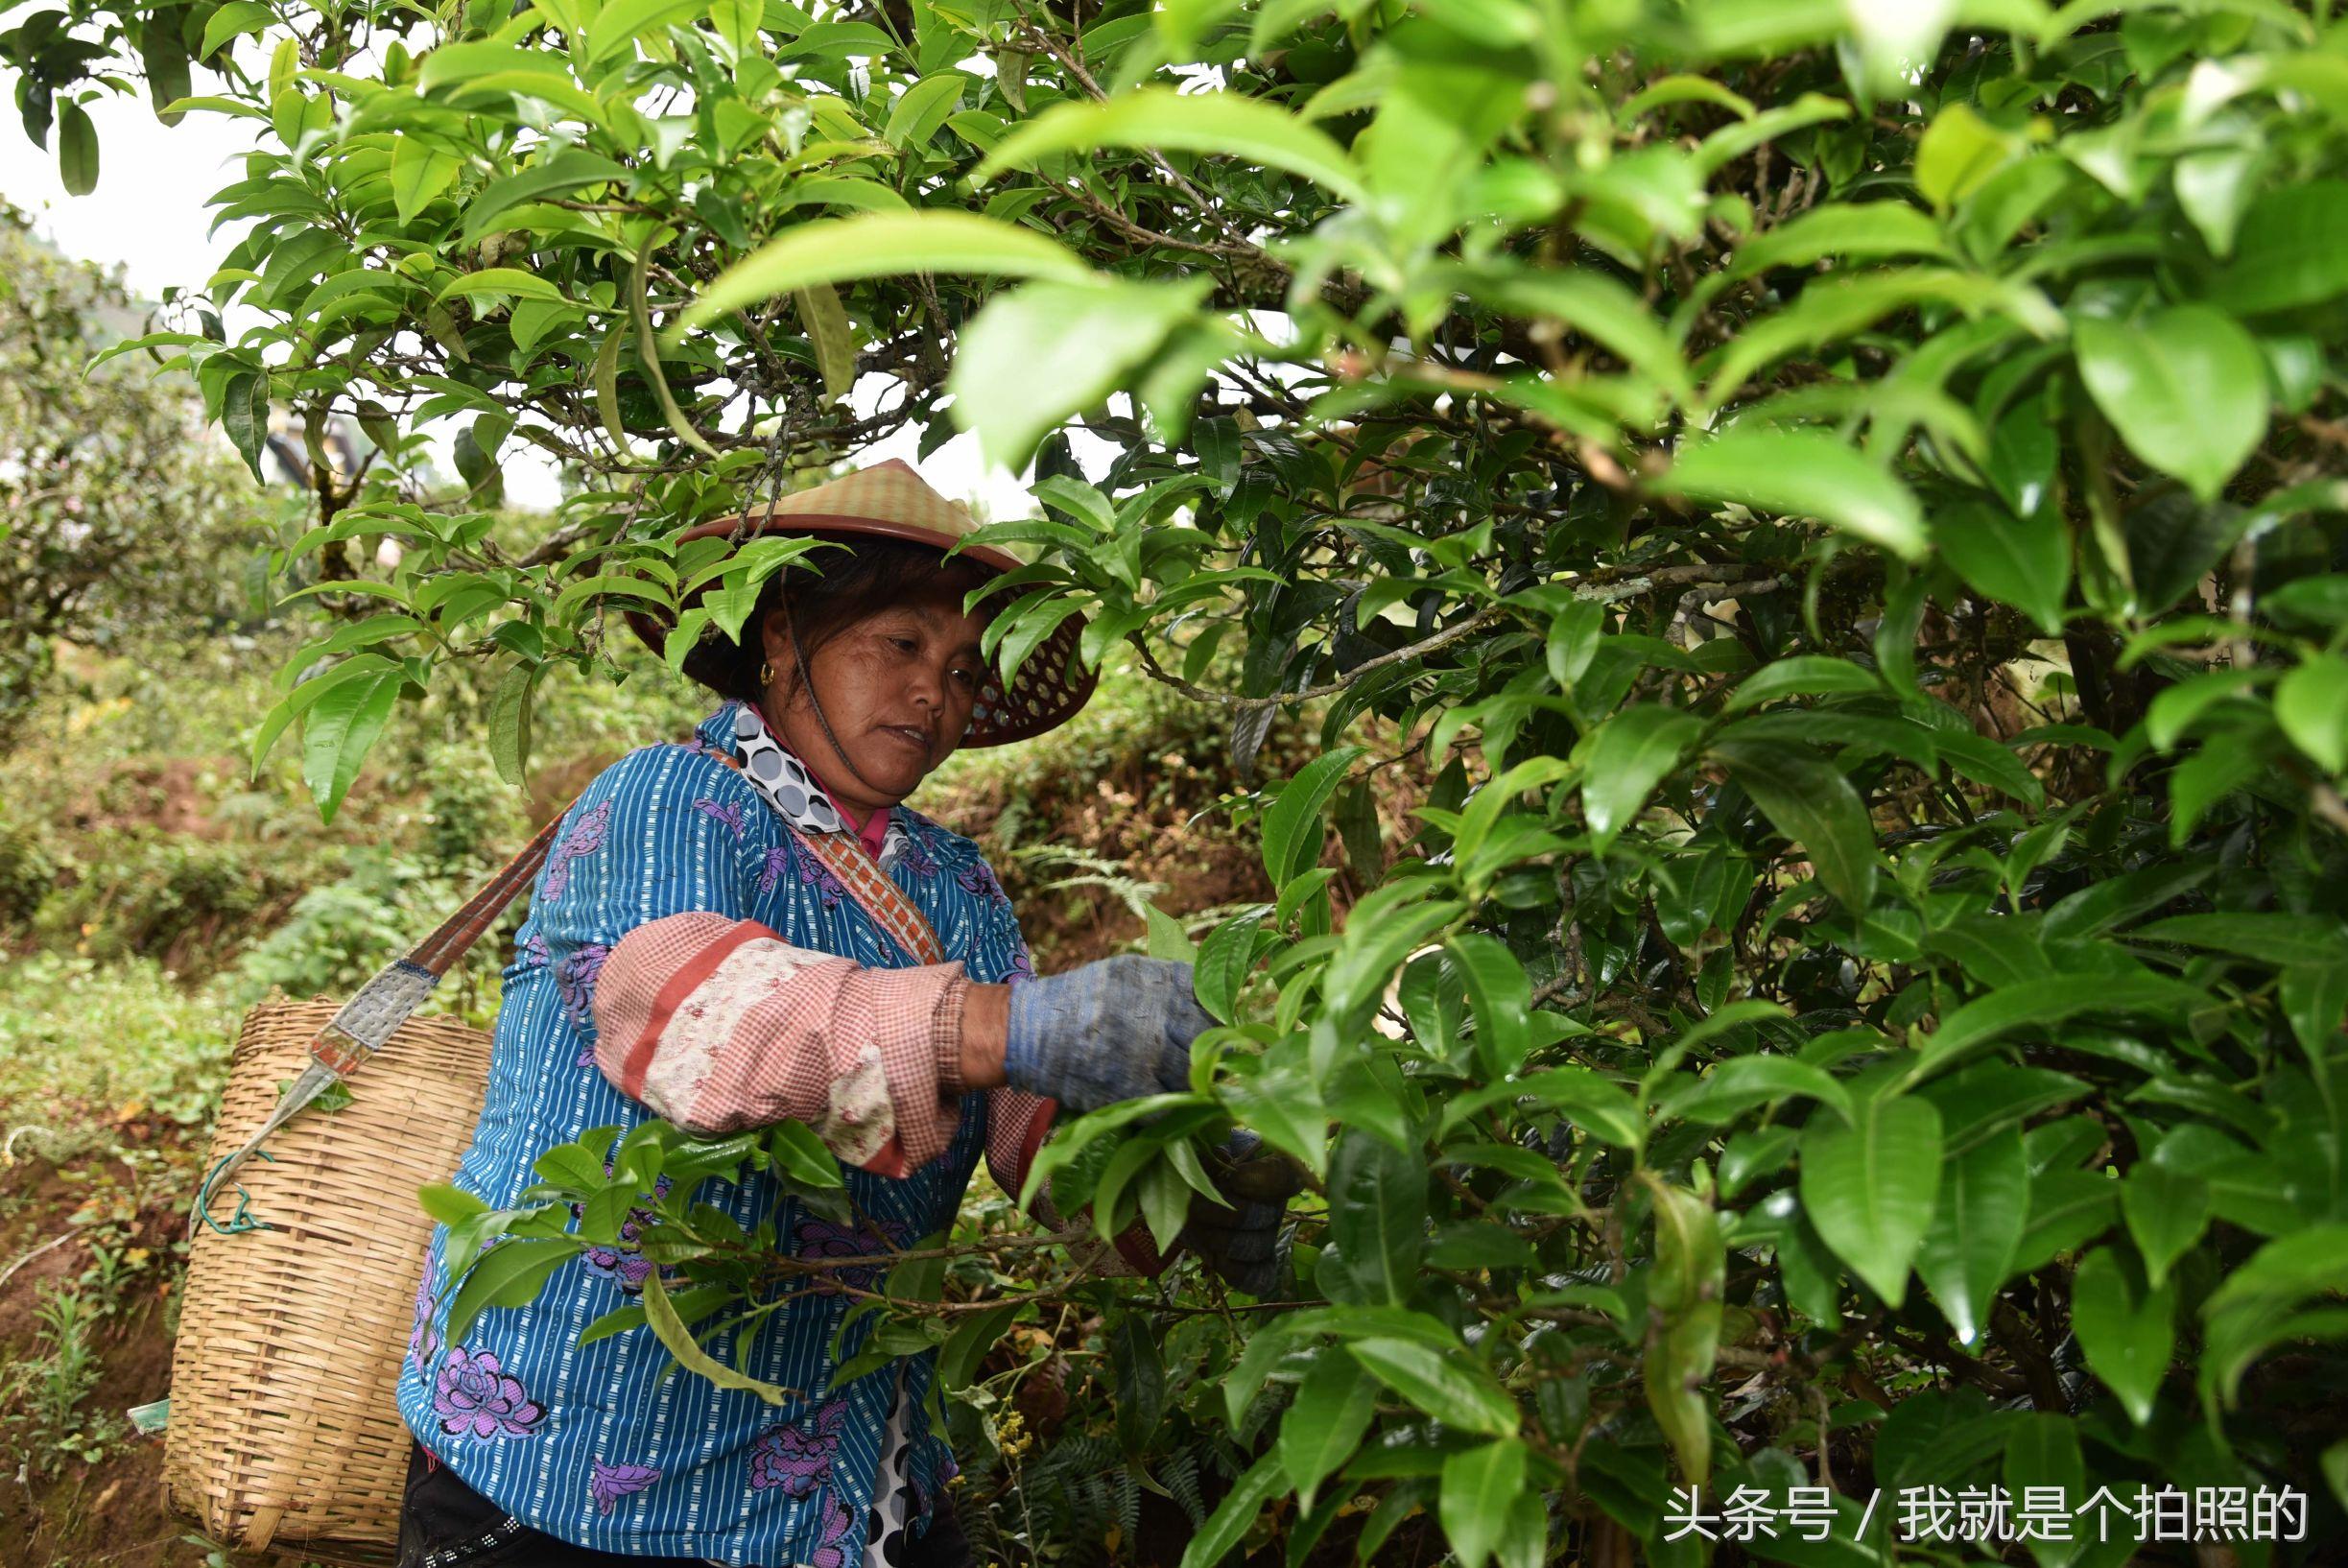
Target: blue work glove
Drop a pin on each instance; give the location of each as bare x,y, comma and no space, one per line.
1115,1030
1239,1242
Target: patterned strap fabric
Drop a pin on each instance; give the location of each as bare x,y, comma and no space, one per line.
882,899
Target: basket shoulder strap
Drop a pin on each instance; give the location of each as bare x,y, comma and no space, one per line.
879,897
376,1009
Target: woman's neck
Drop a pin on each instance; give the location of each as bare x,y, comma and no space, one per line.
861,820
854,814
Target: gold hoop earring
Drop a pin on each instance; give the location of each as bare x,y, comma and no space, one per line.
766,673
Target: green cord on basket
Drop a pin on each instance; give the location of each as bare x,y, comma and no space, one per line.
242,1221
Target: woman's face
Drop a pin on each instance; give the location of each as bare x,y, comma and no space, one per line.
897,688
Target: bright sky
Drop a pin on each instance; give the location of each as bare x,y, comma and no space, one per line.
148,215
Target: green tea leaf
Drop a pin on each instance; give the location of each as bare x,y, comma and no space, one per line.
1326,1422
510,707
77,149
2167,1211
1690,1269
1624,759
1869,1185
1221,122
679,1340
802,1155
2290,251
1378,1213
2008,559
1976,1226
1453,1387
2187,389
1043,353
2312,707
1800,473
1292,822
881,245
1479,1485
1810,803
510,1274
339,729
1236,1513
2127,1333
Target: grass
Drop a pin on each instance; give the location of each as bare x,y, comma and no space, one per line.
108,1073
42,1397
84,1043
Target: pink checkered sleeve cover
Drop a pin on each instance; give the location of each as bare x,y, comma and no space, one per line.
720,1025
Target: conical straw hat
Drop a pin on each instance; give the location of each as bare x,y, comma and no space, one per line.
889,501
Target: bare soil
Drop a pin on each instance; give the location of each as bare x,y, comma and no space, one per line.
111,1511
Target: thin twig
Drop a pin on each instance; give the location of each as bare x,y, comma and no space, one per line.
49,1246
1604,589
1418,650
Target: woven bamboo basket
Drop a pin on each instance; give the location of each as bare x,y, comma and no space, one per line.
283,1427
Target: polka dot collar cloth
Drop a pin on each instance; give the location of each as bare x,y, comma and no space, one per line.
785,783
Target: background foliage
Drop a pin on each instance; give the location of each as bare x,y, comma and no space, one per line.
1834,503
104,487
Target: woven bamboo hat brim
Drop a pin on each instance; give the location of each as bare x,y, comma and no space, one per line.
889,501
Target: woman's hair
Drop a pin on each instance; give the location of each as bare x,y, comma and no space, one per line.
828,593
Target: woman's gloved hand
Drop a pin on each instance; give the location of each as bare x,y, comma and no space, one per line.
1115,1030
1241,1243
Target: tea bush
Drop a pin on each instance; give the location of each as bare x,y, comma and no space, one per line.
104,494
27,875
1834,501
166,895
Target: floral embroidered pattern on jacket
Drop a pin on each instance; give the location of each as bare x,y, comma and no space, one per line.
574,981
833,1553
728,811
916,856
798,1459
607,1484
817,875
978,881
475,1398
585,837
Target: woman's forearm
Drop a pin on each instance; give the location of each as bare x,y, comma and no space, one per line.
987,1012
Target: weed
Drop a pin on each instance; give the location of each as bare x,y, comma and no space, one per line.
41,1418
27,875
86,1047
1082,869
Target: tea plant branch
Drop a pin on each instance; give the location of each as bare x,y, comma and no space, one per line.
1440,640
1209,208
2329,806
1603,588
